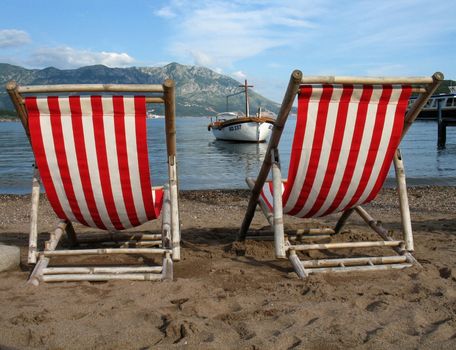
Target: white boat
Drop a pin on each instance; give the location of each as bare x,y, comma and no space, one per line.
430,109
231,126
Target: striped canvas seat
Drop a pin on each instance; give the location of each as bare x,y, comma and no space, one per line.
91,156
93,159
343,147
347,135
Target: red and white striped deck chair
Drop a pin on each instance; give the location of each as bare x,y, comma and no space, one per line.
90,147
347,134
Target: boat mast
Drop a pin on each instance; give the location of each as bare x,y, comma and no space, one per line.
245,86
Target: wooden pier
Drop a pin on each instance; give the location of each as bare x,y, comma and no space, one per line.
443,120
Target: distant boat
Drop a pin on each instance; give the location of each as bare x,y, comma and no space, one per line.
232,126
151,115
430,110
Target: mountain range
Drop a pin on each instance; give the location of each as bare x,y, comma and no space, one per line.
199,91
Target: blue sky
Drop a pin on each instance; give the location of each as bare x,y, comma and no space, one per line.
262,41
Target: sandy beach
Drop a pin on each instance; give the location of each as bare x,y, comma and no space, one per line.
237,296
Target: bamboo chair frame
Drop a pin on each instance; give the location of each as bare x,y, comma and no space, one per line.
169,239
425,86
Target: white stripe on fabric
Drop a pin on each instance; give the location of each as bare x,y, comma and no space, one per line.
306,149
132,152
70,150
113,164
92,161
268,197
51,157
349,129
384,142
364,147
326,150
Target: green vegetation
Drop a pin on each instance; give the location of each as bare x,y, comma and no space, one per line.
7,114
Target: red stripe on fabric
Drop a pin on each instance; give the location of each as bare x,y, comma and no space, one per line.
122,156
40,155
358,131
315,153
62,161
394,141
102,157
336,146
298,139
81,157
143,157
374,144
158,203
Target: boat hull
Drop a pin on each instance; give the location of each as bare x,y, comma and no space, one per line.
246,132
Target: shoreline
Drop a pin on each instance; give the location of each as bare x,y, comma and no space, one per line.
230,296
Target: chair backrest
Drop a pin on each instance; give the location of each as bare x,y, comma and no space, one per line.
91,152
344,142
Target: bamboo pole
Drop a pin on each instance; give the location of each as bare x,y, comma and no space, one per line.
297,265
167,272
279,235
37,273
102,277
287,103
263,206
403,201
101,270
419,103
71,234
56,235
91,88
377,227
343,245
384,267
314,231
105,251
170,125
166,219
342,220
354,261
12,89
33,238
365,80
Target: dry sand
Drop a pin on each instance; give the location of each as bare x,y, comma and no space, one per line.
227,296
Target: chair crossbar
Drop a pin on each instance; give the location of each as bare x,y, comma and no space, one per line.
106,251
90,88
102,277
343,245
101,270
370,260
358,268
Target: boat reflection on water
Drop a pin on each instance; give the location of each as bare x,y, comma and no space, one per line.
246,158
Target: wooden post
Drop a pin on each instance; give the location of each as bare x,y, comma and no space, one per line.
441,126
13,91
33,238
264,208
403,201
279,238
342,220
287,104
170,125
419,103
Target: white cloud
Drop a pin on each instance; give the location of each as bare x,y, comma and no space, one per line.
239,75
13,37
221,32
67,57
166,12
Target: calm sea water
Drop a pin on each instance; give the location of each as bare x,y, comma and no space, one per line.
204,163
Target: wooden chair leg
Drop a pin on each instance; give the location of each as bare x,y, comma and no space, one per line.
279,234
33,238
403,201
342,220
